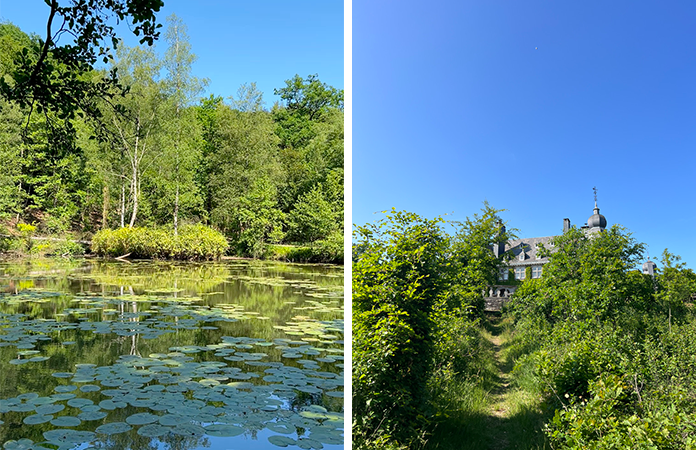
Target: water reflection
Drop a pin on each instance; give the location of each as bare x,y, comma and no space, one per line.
181,355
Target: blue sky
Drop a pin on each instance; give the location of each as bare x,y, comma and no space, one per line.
529,105
238,42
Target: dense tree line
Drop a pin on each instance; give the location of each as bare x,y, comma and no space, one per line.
149,151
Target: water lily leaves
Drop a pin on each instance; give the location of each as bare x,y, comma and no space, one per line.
37,419
110,405
92,415
39,359
281,427
50,408
113,428
223,430
22,444
24,407
309,443
63,396
68,437
66,421
281,441
18,362
141,419
153,430
336,394
63,375
90,388
62,389
79,402
173,419
188,429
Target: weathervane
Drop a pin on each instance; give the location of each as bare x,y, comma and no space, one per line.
595,195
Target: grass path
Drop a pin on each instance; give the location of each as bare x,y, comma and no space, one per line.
498,414
514,416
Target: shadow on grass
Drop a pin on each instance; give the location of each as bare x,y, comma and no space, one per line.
516,425
521,431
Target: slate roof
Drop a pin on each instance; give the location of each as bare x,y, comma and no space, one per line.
530,247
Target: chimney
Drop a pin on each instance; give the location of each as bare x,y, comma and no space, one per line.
566,225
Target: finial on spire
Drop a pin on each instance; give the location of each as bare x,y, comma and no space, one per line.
595,196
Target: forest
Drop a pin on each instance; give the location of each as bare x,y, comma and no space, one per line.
96,138
594,354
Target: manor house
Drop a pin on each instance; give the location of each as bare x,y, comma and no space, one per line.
526,262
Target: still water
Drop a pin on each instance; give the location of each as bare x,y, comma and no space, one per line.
154,355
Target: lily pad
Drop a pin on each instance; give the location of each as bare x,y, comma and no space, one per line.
22,444
79,402
70,438
92,415
188,429
37,419
223,430
90,388
281,441
50,408
66,421
281,427
142,419
153,430
113,428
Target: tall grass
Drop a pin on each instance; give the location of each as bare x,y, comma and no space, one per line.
493,407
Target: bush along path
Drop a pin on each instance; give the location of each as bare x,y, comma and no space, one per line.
516,413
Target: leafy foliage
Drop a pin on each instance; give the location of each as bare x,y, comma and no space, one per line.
194,242
147,152
50,77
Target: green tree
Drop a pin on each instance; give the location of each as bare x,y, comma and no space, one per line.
396,283
243,167
134,125
676,285
181,137
313,217
589,277
49,77
474,265
10,146
310,98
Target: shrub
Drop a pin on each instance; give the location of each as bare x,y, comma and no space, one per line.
329,250
194,242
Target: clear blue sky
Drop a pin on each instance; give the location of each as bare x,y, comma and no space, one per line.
529,105
236,42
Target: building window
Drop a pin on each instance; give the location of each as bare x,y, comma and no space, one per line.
536,272
519,273
503,276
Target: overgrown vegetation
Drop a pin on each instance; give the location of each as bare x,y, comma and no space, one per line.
612,350
595,353
416,295
193,242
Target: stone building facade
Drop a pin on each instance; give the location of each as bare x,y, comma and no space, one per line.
526,262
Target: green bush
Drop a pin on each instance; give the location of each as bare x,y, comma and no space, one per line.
616,416
329,250
194,242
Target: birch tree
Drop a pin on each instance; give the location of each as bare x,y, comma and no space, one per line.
182,133
135,123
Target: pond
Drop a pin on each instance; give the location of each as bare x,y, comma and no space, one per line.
156,355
